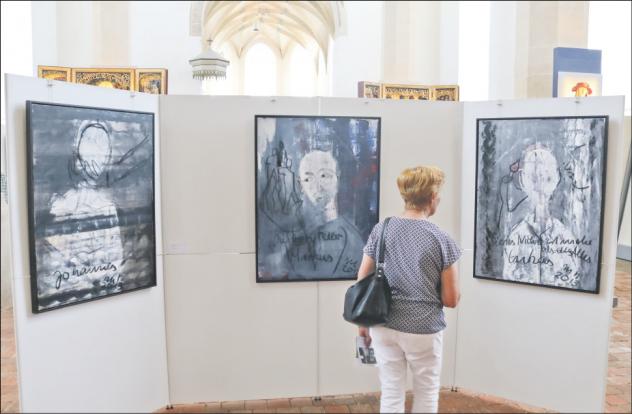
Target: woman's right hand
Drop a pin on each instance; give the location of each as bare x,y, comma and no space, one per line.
364,332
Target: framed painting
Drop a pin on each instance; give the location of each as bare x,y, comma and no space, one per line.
417,92
152,81
570,84
317,195
91,203
540,185
58,73
445,93
116,78
369,90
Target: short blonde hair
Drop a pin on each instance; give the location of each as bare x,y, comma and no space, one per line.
416,185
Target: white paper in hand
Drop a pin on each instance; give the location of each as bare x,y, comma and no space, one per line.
365,354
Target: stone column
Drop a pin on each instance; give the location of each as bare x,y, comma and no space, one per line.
411,42
112,34
449,43
552,24
76,45
504,27
522,38
93,33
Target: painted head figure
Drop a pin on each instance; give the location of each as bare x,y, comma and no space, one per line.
539,174
92,152
318,172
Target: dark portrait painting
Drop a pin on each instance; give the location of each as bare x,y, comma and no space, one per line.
317,193
91,203
539,200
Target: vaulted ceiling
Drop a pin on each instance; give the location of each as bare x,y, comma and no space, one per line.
279,24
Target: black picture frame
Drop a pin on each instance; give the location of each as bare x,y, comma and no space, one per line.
256,133
35,300
602,203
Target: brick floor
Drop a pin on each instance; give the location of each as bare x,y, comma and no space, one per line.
9,402
449,402
618,390
618,387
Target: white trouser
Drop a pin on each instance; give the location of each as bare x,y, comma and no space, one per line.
393,350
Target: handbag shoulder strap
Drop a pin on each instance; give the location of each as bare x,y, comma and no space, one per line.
380,261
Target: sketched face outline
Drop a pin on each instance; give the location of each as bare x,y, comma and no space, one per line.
318,173
539,174
93,151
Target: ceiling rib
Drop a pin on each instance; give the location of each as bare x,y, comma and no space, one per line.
310,24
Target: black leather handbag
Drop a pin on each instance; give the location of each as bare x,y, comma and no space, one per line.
368,302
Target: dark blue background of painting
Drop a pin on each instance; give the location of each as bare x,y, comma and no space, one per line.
501,143
354,143
53,130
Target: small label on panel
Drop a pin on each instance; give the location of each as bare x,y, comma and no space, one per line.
178,248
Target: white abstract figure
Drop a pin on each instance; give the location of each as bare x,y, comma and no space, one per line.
318,172
88,238
330,245
540,248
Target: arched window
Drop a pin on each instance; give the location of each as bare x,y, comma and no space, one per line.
262,35
260,71
609,31
302,75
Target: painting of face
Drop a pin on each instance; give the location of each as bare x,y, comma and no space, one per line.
94,151
91,209
539,175
319,179
539,201
317,195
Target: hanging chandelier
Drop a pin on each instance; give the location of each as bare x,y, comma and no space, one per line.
209,64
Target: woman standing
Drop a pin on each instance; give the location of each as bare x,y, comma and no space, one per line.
419,263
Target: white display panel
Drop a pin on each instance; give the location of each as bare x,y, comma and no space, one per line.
231,339
250,339
209,201
543,347
228,338
107,355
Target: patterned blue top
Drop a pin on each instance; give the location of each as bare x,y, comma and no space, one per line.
417,251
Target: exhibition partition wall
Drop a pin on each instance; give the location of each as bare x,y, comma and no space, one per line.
281,339
107,355
228,337
542,346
